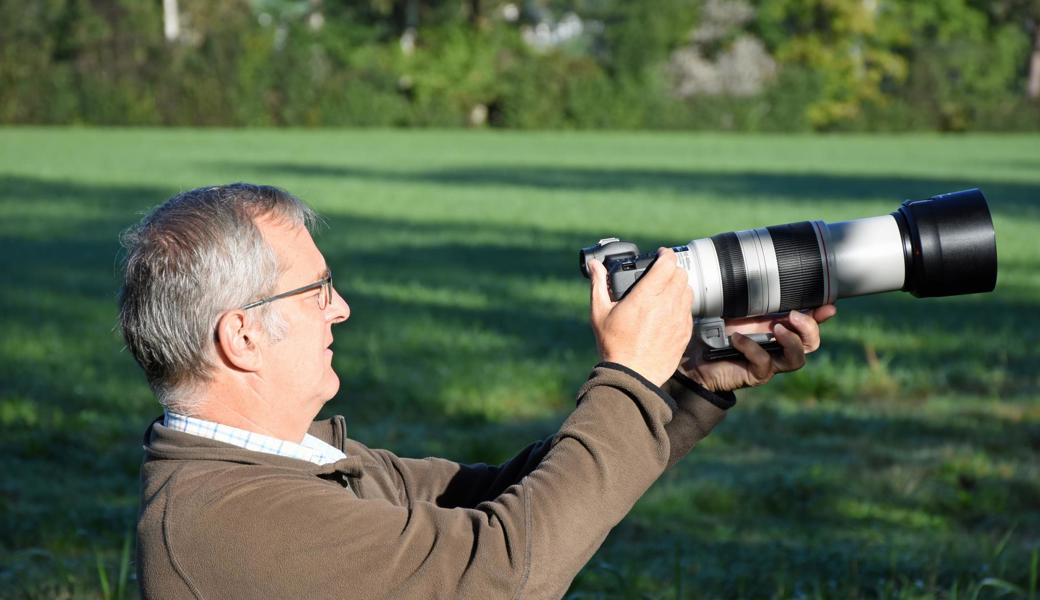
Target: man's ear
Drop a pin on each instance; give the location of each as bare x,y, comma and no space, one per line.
236,339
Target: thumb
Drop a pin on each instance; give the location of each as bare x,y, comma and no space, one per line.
600,291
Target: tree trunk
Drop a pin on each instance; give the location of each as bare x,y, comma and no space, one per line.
410,23
171,20
316,18
1033,87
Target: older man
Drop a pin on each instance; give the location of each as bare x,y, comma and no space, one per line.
228,306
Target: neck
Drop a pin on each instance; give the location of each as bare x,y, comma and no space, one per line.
244,407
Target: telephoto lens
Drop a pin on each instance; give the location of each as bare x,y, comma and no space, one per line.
942,246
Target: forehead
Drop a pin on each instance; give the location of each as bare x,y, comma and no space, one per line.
297,253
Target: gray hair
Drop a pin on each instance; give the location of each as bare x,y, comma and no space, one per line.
190,259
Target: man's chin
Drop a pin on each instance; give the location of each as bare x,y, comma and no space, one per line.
332,387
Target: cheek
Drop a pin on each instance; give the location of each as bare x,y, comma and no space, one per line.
302,353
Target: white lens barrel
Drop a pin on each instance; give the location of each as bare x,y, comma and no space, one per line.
867,256
702,266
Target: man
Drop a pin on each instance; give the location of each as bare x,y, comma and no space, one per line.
228,306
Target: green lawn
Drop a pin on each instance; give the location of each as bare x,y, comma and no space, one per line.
904,461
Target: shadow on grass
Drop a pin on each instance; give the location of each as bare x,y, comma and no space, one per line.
1004,197
60,258
72,406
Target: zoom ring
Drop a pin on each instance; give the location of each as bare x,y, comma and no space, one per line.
734,275
800,262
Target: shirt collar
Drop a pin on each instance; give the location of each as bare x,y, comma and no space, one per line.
311,449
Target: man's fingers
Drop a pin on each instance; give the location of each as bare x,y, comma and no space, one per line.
687,295
599,291
679,284
807,329
760,364
794,351
824,312
656,280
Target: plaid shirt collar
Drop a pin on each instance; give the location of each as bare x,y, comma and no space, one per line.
311,449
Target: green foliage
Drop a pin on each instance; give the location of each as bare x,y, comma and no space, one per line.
119,591
637,35
64,61
456,70
950,65
841,42
964,70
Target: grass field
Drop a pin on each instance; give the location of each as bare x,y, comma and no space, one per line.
904,461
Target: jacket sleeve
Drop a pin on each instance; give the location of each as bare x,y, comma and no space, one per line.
280,537
698,411
451,485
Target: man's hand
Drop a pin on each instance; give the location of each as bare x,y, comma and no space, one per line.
650,328
798,334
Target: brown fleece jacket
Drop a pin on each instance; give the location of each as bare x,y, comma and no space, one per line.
219,521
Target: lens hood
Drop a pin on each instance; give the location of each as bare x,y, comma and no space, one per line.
949,244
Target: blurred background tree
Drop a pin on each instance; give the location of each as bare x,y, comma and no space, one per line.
838,48
948,65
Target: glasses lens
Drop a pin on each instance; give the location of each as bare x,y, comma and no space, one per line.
325,297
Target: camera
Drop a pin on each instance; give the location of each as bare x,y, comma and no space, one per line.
941,246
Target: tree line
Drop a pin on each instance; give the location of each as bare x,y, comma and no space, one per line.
750,65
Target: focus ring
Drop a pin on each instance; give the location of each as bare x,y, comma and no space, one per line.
800,262
734,275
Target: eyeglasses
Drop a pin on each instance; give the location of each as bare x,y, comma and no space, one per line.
324,298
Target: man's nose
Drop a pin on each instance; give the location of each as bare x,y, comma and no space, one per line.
338,310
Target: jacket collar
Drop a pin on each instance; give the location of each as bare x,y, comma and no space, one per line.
162,443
